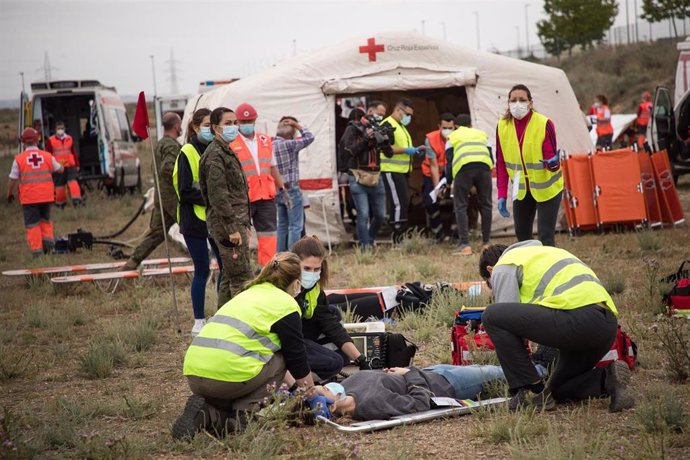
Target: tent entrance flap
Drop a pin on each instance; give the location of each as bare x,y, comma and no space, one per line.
400,80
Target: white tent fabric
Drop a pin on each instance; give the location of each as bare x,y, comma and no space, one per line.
306,87
620,123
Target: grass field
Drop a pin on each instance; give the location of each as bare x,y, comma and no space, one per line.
89,375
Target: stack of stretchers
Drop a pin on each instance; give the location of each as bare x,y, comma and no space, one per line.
619,188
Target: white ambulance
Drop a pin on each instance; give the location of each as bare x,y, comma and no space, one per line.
96,119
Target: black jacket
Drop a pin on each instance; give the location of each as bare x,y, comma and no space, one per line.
358,151
190,194
325,320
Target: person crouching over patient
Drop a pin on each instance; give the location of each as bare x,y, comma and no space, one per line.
549,296
320,321
251,343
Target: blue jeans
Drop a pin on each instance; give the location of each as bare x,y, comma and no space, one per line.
370,202
467,381
290,220
198,249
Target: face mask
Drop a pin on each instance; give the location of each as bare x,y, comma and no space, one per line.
309,279
446,132
337,389
597,104
247,130
229,133
205,135
519,109
60,132
378,117
406,119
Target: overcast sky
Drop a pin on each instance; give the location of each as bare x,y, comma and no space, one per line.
112,40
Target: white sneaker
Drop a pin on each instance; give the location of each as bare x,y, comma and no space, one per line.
198,324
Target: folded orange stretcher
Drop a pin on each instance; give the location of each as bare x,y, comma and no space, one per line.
619,187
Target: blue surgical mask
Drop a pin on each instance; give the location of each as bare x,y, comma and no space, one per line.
406,119
247,130
309,279
229,133
337,389
205,135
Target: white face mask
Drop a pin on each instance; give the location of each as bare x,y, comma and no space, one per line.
446,132
60,132
519,109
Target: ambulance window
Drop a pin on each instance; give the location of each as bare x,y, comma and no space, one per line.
124,125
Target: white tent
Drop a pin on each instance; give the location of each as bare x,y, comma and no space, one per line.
307,86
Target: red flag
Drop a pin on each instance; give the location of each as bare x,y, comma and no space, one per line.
141,118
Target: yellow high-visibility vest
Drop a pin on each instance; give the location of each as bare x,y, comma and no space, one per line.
237,341
469,146
311,297
400,162
543,184
554,278
193,158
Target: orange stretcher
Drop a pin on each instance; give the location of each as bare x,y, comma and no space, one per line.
649,186
618,191
671,209
579,193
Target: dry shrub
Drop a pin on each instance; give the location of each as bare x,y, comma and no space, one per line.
673,339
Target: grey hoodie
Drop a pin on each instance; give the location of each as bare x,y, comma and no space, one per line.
507,279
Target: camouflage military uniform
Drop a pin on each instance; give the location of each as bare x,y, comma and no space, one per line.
166,154
225,191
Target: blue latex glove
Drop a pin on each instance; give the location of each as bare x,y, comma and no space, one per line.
551,163
410,150
319,406
503,208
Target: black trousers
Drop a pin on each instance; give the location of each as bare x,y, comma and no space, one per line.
582,336
524,211
398,198
324,362
480,178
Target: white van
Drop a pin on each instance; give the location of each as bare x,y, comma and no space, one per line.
96,119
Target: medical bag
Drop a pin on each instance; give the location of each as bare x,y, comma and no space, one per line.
623,349
678,299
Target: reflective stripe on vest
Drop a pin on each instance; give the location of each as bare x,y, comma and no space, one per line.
311,298
554,278
193,158
543,183
469,146
35,177
62,150
261,183
400,162
237,341
438,145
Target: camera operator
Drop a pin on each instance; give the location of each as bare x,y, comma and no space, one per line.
397,164
360,147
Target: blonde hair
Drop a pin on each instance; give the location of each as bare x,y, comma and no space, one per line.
281,271
311,246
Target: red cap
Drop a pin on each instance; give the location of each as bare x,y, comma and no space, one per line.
245,112
29,135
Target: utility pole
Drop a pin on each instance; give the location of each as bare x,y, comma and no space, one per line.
476,15
517,38
47,69
423,27
294,47
526,28
637,29
443,23
174,90
153,71
627,21
21,74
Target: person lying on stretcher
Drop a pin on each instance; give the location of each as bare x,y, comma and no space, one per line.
381,395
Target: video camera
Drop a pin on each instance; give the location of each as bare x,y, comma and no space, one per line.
382,133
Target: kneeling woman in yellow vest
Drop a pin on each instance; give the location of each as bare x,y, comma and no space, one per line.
549,296
247,346
321,323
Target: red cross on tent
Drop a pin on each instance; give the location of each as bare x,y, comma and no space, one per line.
35,160
371,49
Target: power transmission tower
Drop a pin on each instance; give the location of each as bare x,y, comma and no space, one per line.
47,69
172,73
